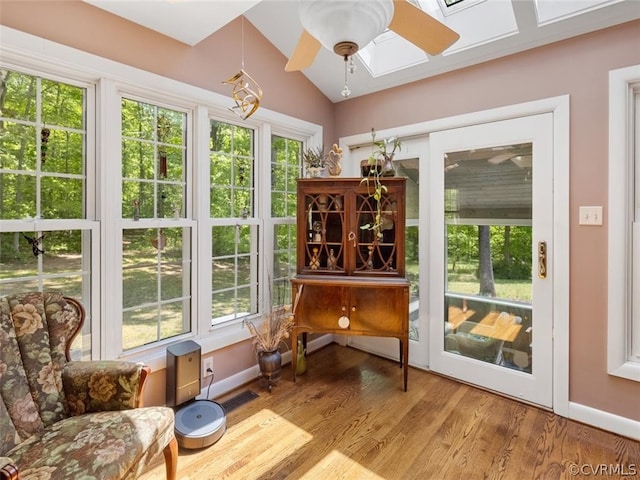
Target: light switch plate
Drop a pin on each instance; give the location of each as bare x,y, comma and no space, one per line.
591,215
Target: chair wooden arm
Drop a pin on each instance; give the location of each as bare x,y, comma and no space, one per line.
9,472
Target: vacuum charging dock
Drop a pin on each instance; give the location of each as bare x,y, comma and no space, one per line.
198,423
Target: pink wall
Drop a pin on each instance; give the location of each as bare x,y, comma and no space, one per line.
578,67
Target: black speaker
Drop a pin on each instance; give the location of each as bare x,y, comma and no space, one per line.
183,372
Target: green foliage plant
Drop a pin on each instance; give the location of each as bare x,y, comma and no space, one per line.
385,149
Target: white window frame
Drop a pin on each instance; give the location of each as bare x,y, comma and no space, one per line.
87,224
20,50
114,224
624,190
273,222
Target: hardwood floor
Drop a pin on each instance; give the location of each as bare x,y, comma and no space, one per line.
348,417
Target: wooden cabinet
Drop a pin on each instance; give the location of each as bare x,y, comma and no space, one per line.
351,276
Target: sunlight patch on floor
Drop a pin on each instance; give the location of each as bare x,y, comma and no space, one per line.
246,453
336,465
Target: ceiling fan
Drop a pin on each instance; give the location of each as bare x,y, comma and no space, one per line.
347,26
522,161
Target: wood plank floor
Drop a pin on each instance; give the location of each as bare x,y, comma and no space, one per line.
348,418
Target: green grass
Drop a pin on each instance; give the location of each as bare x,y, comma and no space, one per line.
464,280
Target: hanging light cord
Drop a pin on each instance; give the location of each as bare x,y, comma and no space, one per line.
242,42
345,91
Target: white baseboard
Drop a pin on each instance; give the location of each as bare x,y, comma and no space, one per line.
228,384
606,421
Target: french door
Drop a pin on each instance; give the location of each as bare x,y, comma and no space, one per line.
490,234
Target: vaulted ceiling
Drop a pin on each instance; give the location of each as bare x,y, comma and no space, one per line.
488,29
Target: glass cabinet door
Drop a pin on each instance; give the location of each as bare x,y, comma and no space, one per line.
324,242
377,247
345,230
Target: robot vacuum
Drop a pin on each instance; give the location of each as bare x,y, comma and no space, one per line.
199,424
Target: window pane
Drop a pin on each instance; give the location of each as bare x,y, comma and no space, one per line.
488,205
220,202
284,258
174,165
42,168
137,120
155,271
42,152
140,327
223,241
234,271
62,197
174,315
18,196
285,169
17,146
59,260
412,269
232,171
62,265
169,199
137,200
246,239
20,95
64,152
62,105
153,151
137,160
223,273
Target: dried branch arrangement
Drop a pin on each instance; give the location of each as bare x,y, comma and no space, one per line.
275,327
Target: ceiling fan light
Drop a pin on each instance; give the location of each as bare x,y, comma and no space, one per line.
332,22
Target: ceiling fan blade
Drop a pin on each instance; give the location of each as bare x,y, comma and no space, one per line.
421,29
501,158
304,53
523,161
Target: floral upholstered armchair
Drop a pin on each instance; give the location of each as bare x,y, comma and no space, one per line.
62,419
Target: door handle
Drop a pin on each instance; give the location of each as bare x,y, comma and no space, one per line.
542,259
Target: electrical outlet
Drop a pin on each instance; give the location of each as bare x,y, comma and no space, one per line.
207,367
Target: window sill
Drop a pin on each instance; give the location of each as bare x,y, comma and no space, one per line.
628,370
216,338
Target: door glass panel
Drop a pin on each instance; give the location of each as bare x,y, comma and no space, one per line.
410,168
488,224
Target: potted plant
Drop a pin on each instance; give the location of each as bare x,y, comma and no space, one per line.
270,334
315,161
380,164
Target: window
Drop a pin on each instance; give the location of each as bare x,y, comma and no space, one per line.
156,244
46,237
285,169
235,227
159,244
623,342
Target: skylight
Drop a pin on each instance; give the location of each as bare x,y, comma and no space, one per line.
552,10
477,22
